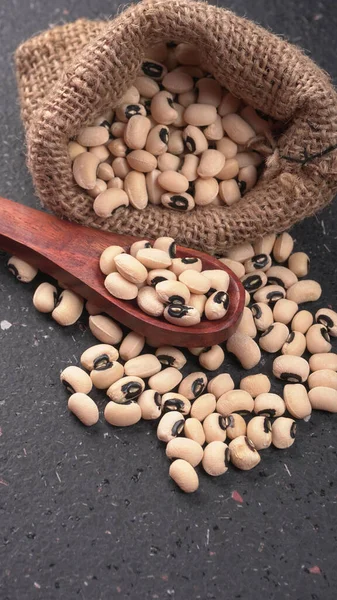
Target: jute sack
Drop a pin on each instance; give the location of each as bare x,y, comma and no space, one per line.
70,74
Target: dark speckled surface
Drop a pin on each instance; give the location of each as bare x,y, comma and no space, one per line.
91,514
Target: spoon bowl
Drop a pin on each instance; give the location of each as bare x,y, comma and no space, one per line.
70,253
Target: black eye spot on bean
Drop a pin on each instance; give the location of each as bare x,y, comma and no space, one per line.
222,423
252,283
268,330
325,334
326,321
178,202
275,281
105,124
101,362
256,311
172,250
131,390
152,69
250,444
178,427
207,349
290,337
178,311
164,135
190,144
291,377
260,260
210,292
229,421
157,399
12,269
170,102
191,188
156,280
275,296
269,412
176,299
221,298
266,425
189,260
68,387
166,360
242,187
198,386
293,429
227,456
131,110
174,404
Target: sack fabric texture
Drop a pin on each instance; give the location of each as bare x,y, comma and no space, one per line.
70,74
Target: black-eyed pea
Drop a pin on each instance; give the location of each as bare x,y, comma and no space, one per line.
105,172
200,115
127,389
75,149
247,178
245,349
321,360
177,402
260,125
220,384
139,246
269,405
45,297
323,378
102,154
323,398
105,329
198,301
283,432
194,140
328,318
186,449
212,358
170,426
98,356
187,98
196,282
75,379
108,202
167,244
149,301
241,252
173,182
135,188
183,264
295,344
243,453
106,373
178,82
203,406
247,159
126,111
153,258
265,245
169,356
131,346
93,136
255,384
283,247
107,259
119,287
189,167
258,262
216,458
142,161
100,187
193,430
293,369
205,190
120,167
284,310
130,96
211,163
157,140
299,263
68,308
263,316
229,104
215,428
166,380
175,145
142,366
296,400
273,338
259,432
173,292
197,350
254,281
235,266
229,191
227,147
184,475
84,408
247,324
235,426
146,86
214,132
150,403
193,385
217,305
136,132
157,275
122,415
279,275
229,171
318,339
235,401
302,321
154,190
117,129
237,129
153,69
162,108
270,294
21,270
168,162
118,148
182,315
131,268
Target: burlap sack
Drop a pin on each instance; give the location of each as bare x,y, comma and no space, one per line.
70,74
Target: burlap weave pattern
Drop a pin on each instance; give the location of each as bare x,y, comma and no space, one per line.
67,76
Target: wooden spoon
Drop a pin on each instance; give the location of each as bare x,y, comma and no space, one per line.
70,253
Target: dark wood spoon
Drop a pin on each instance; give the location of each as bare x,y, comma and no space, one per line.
70,253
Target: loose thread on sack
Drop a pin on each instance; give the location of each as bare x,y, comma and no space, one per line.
310,157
